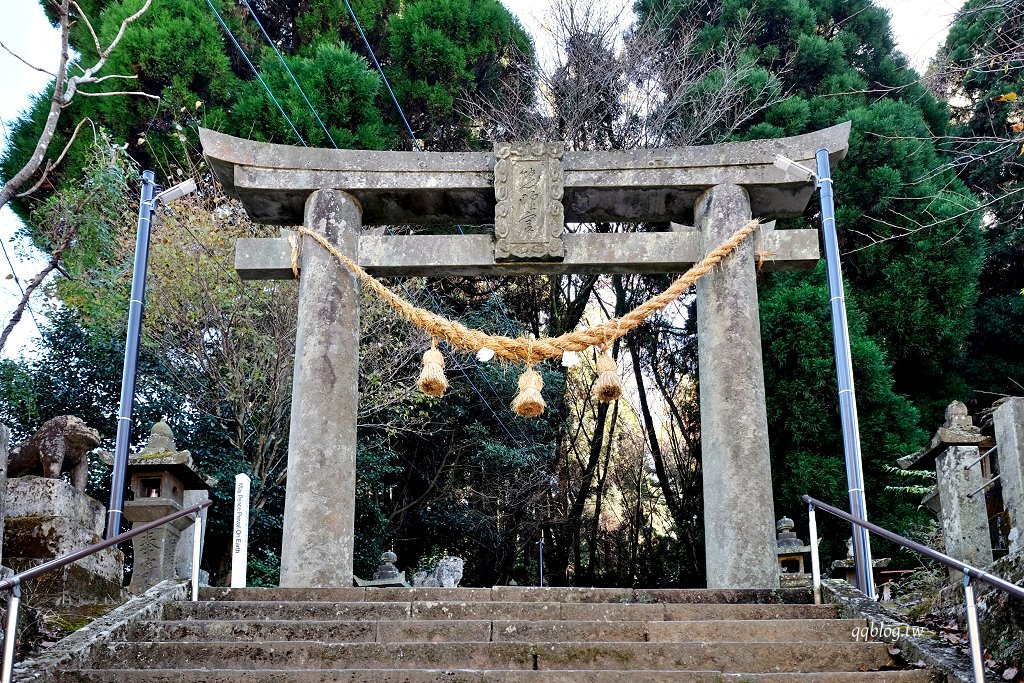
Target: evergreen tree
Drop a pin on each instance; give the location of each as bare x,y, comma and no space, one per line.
980,66
910,242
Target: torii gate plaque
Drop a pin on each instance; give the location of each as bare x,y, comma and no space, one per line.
336,192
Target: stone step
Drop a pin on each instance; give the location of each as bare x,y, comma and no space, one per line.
455,676
409,631
517,611
720,656
512,594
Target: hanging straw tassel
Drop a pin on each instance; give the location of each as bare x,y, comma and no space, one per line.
528,402
432,381
608,387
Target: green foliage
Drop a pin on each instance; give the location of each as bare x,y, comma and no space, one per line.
979,67
264,568
803,411
441,50
909,235
340,87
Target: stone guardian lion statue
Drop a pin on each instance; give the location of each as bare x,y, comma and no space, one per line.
60,445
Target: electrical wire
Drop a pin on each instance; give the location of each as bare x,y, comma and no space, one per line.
286,68
373,56
255,72
419,148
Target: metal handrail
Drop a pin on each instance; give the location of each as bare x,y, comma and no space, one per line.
968,571
981,457
14,583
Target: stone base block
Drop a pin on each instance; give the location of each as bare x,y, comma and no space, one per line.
44,497
46,519
795,580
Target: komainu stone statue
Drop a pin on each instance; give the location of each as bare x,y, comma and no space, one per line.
59,446
447,574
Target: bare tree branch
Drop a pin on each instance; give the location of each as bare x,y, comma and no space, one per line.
64,90
23,61
51,165
69,231
10,188
119,92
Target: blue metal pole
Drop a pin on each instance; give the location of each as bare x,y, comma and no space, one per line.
131,355
844,372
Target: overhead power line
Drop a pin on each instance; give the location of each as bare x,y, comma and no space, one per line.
419,148
387,85
255,72
286,68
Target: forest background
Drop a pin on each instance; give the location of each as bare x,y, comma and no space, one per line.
930,216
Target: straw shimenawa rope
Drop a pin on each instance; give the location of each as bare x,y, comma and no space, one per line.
533,350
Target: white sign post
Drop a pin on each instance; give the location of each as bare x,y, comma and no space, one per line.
240,535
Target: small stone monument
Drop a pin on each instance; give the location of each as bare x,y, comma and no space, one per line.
387,569
957,429
794,556
963,474
847,569
387,575
792,552
46,517
163,480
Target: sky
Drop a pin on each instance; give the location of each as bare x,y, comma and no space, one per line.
918,25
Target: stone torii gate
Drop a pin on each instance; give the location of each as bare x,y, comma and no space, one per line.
528,191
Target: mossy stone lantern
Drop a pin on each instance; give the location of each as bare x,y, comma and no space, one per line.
163,480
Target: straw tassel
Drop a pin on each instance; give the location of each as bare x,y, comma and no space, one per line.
608,387
528,402
432,381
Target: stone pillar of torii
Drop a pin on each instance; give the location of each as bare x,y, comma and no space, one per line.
528,191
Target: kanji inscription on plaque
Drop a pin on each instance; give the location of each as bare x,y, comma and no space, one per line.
529,219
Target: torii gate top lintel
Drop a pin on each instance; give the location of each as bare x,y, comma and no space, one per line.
657,185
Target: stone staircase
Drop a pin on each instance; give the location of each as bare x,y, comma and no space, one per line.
494,635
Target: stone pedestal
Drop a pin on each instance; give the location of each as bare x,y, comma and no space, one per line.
154,549
48,518
964,517
1008,420
739,515
319,508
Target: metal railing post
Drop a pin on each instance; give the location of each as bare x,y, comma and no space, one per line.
812,525
972,628
540,544
11,634
197,551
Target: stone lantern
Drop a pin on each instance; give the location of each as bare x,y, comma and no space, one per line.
793,555
163,480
